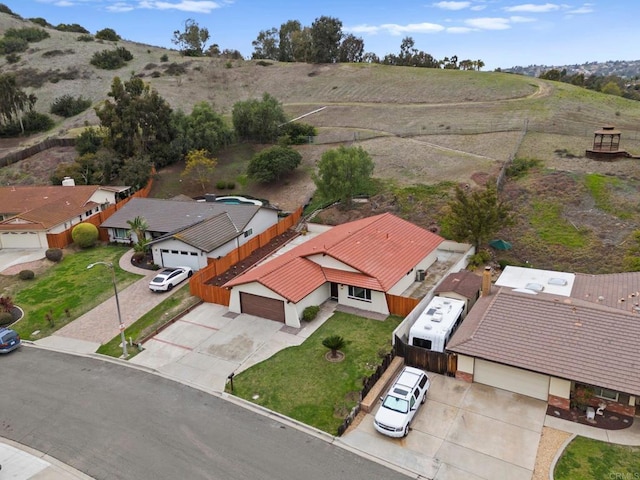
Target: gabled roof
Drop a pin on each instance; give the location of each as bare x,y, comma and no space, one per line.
381,249
167,216
578,339
464,282
44,206
206,235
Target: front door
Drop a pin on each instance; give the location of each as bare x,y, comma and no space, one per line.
334,290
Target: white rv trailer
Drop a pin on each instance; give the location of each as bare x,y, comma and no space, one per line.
436,324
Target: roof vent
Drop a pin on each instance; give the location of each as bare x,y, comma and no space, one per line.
437,317
536,287
557,281
68,182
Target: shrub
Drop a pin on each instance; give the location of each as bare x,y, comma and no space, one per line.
13,45
334,343
30,34
221,185
520,166
6,304
150,66
262,63
39,21
297,133
67,106
13,58
108,34
57,53
89,141
231,185
26,275
310,313
74,27
164,57
33,122
5,319
85,38
53,254
85,235
175,69
156,74
111,59
480,258
7,10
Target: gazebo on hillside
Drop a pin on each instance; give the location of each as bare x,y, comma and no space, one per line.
606,145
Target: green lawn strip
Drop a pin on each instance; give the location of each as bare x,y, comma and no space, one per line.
300,383
602,188
68,289
150,321
552,228
588,459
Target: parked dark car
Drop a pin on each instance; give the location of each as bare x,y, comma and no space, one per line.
9,340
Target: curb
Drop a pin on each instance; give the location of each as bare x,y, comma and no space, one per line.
559,453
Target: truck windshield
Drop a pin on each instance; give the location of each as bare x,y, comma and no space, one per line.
396,404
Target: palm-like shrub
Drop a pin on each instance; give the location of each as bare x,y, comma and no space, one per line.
334,343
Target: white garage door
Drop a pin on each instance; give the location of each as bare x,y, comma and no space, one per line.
177,258
21,240
512,379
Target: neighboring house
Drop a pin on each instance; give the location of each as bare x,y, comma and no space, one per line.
549,334
29,213
184,233
463,285
356,263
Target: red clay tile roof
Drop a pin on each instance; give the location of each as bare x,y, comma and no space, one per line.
383,248
564,337
464,282
45,205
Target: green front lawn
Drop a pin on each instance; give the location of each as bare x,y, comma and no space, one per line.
588,459
300,383
67,290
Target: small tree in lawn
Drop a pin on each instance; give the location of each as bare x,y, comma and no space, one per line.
272,163
475,216
343,173
334,343
200,167
85,235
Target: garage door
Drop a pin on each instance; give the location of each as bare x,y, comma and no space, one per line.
179,258
262,306
512,379
21,240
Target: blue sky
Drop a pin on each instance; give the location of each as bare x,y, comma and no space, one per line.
501,33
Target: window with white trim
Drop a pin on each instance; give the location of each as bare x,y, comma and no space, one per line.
120,233
606,394
360,293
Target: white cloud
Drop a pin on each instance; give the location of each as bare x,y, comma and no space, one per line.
197,6
64,3
452,5
395,29
488,23
120,7
518,19
532,8
586,8
477,8
460,30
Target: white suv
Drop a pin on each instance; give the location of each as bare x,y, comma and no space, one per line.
401,403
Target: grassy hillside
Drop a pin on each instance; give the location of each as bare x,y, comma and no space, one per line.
422,127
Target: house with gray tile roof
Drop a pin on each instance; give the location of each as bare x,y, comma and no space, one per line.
185,233
550,335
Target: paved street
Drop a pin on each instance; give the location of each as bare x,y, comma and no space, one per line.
116,422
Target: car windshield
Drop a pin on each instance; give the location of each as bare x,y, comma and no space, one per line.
396,404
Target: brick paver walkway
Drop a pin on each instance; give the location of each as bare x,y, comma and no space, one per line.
101,324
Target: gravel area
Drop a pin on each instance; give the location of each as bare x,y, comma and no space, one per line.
551,442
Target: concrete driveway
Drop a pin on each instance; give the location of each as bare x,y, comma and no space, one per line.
464,431
209,343
10,257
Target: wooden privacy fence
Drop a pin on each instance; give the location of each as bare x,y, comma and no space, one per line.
443,363
63,239
198,285
401,306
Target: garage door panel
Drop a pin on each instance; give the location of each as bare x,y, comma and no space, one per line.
260,306
170,259
512,379
21,240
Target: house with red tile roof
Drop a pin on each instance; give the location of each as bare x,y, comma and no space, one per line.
549,335
29,213
356,263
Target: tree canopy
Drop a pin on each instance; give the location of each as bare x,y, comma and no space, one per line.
475,216
271,164
192,40
199,167
258,120
203,129
343,173
14,102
